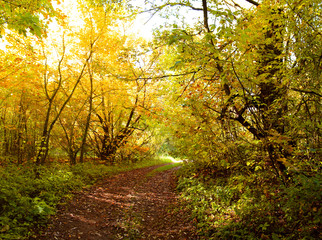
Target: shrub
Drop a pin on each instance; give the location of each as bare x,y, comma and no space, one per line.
28,199
252,206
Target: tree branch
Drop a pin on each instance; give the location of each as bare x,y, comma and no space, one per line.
191,81
249,127
164,76
253,2
158,8
306,91
205,15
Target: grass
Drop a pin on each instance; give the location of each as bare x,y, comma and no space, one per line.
163,159
169,159
152,162
163,168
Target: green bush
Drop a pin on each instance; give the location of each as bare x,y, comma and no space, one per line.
252,206
28,196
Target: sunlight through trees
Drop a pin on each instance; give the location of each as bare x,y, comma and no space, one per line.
232,87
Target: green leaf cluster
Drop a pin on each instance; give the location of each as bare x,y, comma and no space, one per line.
29,195
252,207
25,15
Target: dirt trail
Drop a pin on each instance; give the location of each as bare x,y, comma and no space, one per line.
126,206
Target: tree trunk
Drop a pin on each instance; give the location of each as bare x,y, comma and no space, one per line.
272,92
88,119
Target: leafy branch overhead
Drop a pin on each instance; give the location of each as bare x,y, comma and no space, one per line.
25,16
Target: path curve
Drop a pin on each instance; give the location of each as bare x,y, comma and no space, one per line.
129,205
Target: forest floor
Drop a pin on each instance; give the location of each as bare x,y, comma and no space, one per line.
130,205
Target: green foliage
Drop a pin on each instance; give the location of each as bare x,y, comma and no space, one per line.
24,15
91,173
27,200
246,100
253,206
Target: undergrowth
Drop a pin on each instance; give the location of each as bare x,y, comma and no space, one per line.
251,206
29,195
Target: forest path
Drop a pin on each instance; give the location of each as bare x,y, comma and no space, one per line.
130,205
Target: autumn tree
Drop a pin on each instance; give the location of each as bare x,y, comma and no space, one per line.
89,78
20,71
94,34
121,102
237,67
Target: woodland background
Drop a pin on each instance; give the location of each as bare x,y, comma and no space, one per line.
236,94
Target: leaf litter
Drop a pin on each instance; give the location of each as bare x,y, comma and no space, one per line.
130,205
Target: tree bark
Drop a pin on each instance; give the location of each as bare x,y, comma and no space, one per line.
88,119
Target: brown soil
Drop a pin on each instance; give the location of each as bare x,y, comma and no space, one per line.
126,206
